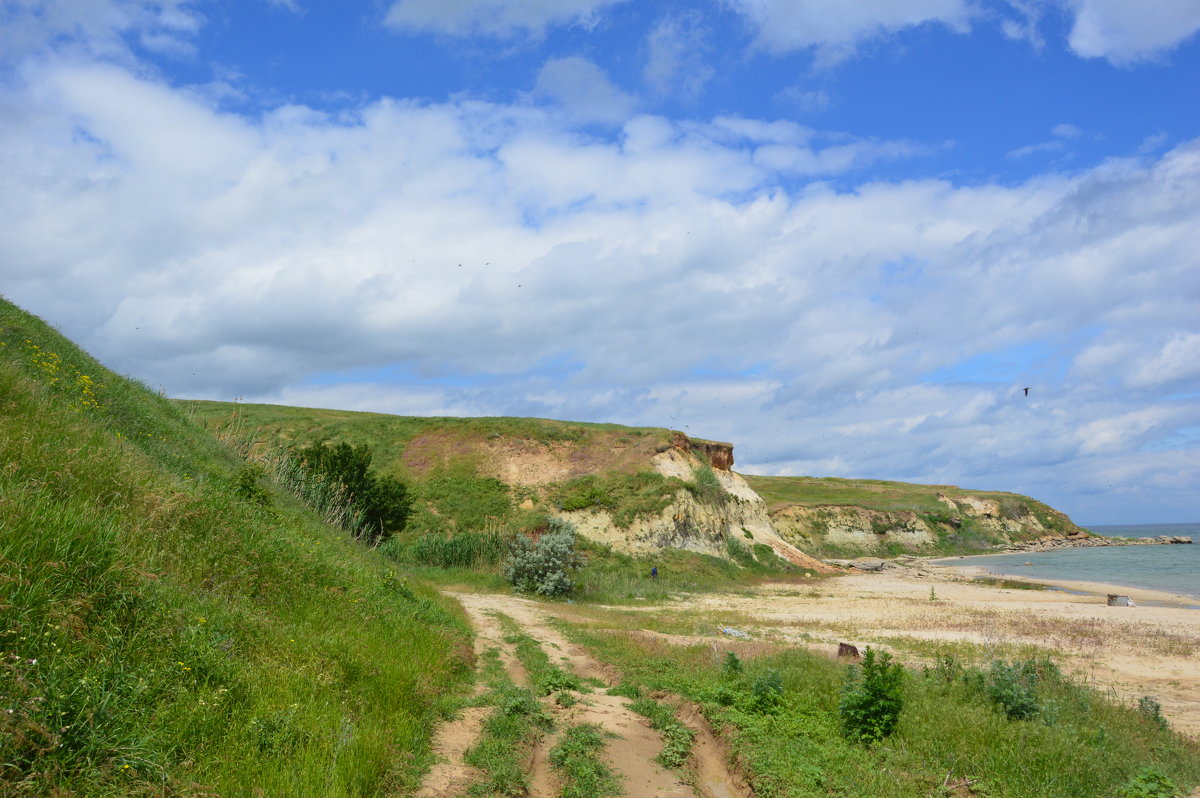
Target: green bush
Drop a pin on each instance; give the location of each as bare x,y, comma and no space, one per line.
706,487
381,503
766,693
248,484
543,567
871,702
1012,687
1151,710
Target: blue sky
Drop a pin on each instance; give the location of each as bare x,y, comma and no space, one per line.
845,236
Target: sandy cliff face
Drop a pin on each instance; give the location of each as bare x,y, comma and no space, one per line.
971,521
691,523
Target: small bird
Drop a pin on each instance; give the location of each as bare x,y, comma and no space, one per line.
1027,392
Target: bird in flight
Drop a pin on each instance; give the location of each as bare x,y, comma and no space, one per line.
1027,392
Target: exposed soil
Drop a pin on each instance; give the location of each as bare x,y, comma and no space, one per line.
631,752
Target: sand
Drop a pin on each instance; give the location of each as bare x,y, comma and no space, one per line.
1151,649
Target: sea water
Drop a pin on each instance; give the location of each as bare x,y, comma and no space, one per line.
1174,568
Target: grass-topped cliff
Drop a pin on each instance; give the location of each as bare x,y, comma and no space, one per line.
506,474
173,624
867,516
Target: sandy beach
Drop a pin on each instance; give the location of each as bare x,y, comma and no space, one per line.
1150,649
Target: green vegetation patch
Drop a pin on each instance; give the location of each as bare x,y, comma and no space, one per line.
781,713
172,622
576,757
546,677
611,576
510,732
626,497
677,738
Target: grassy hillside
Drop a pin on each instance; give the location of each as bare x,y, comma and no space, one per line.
170,624
871,493
412,446
470,474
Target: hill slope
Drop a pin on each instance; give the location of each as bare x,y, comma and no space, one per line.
642,490
171,623
862,516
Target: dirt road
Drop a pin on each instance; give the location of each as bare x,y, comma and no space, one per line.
630,752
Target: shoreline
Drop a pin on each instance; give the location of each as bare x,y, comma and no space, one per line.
1141,595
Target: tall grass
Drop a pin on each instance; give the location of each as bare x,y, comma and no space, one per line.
163,632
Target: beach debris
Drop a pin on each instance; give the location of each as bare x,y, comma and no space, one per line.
1115,600
731,632
847,651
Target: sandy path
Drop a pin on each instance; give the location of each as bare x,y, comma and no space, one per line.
450,776
631,753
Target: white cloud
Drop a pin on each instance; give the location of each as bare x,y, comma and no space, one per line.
676,62
1125,32
1120,31
97,28
1061,133
478,258
838,27
582,90
492,17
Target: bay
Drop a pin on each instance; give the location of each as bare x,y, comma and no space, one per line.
1173,568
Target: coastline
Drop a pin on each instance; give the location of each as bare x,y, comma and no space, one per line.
1079,587
974,565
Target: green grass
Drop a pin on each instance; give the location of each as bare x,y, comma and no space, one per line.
509,733
389,435
165,631
871,493
545,676
875,494
576,757
626,496
613,577
1078,744
677,738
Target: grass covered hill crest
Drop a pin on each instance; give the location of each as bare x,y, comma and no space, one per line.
640,490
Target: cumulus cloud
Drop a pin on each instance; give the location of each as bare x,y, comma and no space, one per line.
1119,31
97,28
784,25
676,60
1124,32
582,90
1061,135
492,17
482,258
